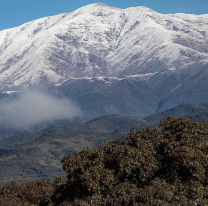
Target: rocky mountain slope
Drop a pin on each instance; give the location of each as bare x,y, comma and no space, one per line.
108,60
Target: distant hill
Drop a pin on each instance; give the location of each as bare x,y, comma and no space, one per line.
38,154
197,112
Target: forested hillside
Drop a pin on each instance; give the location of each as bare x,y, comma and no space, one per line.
36,155
167,165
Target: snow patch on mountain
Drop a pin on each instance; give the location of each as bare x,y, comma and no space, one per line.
101,41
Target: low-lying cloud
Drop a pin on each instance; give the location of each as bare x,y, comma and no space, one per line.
35,107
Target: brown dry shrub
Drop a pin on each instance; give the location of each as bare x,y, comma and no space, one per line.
26,194
158,167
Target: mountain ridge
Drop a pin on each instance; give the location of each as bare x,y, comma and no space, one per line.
124,18
168,51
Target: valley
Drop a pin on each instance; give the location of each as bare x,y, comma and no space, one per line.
36,155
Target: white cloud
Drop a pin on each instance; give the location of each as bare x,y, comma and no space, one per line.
35,107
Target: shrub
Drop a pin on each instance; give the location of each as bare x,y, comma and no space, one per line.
164,166
26,194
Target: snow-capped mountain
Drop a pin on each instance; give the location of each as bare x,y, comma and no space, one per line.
165,53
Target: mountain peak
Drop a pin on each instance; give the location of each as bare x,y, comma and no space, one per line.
144,8
98,40
99,4
95,7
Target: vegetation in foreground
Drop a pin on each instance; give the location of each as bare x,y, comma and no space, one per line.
25,194
164,166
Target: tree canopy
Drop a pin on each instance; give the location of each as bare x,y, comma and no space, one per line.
163,166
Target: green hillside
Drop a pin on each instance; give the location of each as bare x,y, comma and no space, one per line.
35,155
38,154
160,166
197,112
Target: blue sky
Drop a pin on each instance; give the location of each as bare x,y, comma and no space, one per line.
16,12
